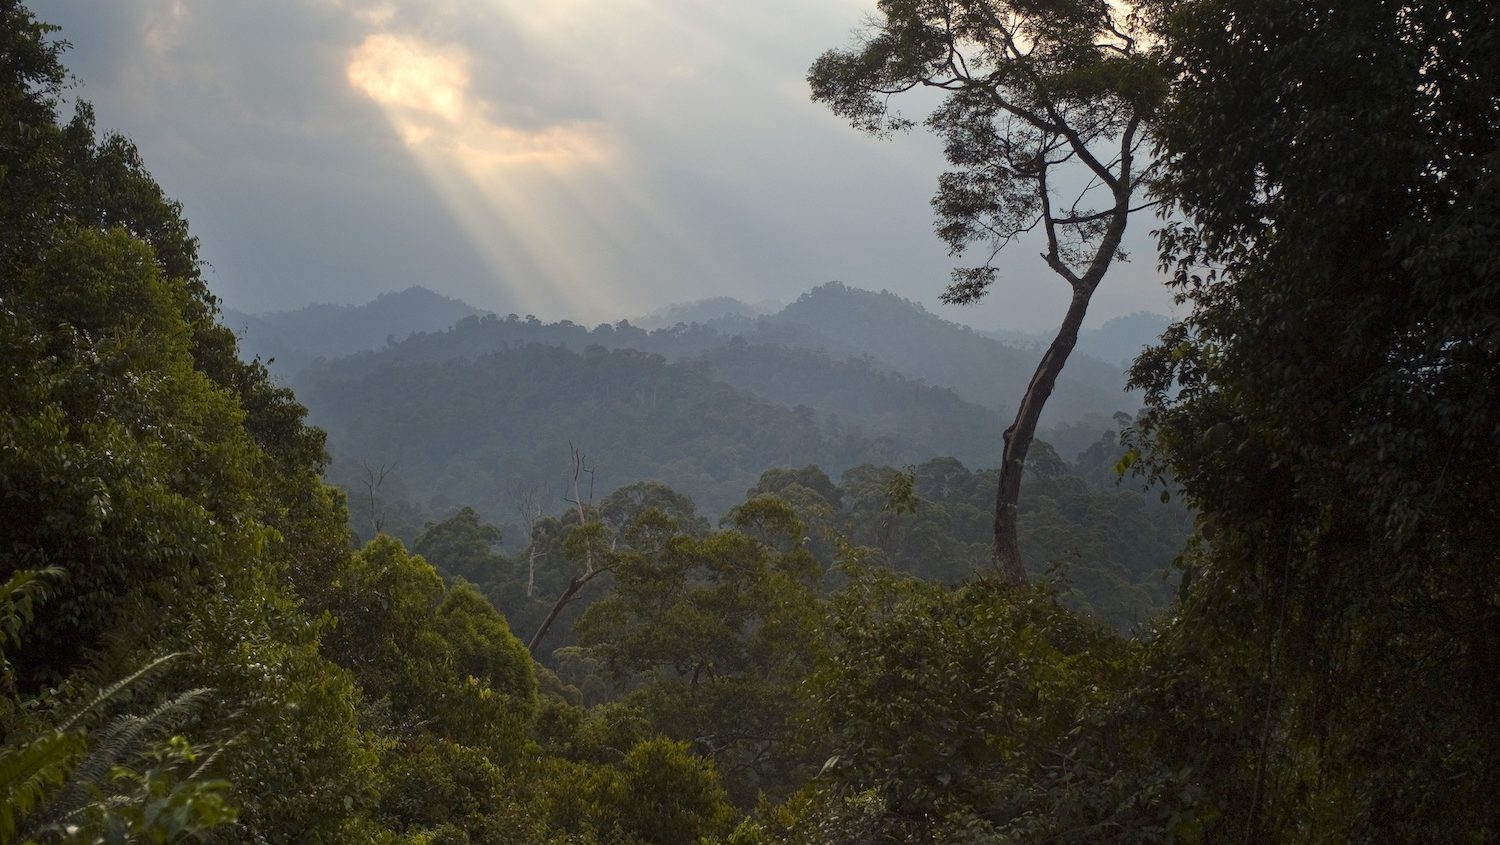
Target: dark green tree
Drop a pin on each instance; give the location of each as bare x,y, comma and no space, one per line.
463,546
1328,406
948,711
356,698
625,504
712,634
174,483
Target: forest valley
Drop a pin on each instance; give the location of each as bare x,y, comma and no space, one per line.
1302,644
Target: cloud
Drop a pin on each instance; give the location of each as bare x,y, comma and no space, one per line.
575,159
424,90
515,189
406,75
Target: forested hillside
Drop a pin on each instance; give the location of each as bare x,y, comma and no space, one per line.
485,413
882,330
1291,639
979,369
290,340
490,430
704,311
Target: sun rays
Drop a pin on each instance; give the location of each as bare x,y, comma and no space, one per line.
513,188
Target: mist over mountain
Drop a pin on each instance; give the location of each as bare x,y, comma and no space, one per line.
704,311
296,338
1118,340
463,406
906,338
486,430
894,334
854,396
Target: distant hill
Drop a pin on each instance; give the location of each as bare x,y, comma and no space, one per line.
855,396
486,430
1118,341
906,338
1121,339
889,333
296,338
704,311
480,408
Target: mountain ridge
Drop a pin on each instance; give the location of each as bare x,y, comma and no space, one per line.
296,338
840,377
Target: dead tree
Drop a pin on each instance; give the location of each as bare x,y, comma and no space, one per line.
372,480
529,506
590,536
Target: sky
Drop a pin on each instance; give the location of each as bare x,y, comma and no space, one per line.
564,158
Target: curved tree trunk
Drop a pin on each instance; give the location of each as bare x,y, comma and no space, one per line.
575,585
1005,130
1007,551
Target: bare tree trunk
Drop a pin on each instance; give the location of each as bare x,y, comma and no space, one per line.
585,510
531,512
1007,553
373,479
574,586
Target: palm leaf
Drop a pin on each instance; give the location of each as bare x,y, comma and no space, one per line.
19,596
114,689
29,771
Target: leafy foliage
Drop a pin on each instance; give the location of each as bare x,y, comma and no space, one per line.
1327,673
711,634
29,772
1336,165
69,779
947,709
461,546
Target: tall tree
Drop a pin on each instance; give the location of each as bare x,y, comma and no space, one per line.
1328,405
1044,124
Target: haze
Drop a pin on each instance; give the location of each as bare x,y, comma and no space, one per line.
583,160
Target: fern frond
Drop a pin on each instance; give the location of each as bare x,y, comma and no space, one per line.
171,714
129,735
103,803
124,737
212,757
114,689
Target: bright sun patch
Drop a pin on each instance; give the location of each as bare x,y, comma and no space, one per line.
424,90
506,184
409,76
